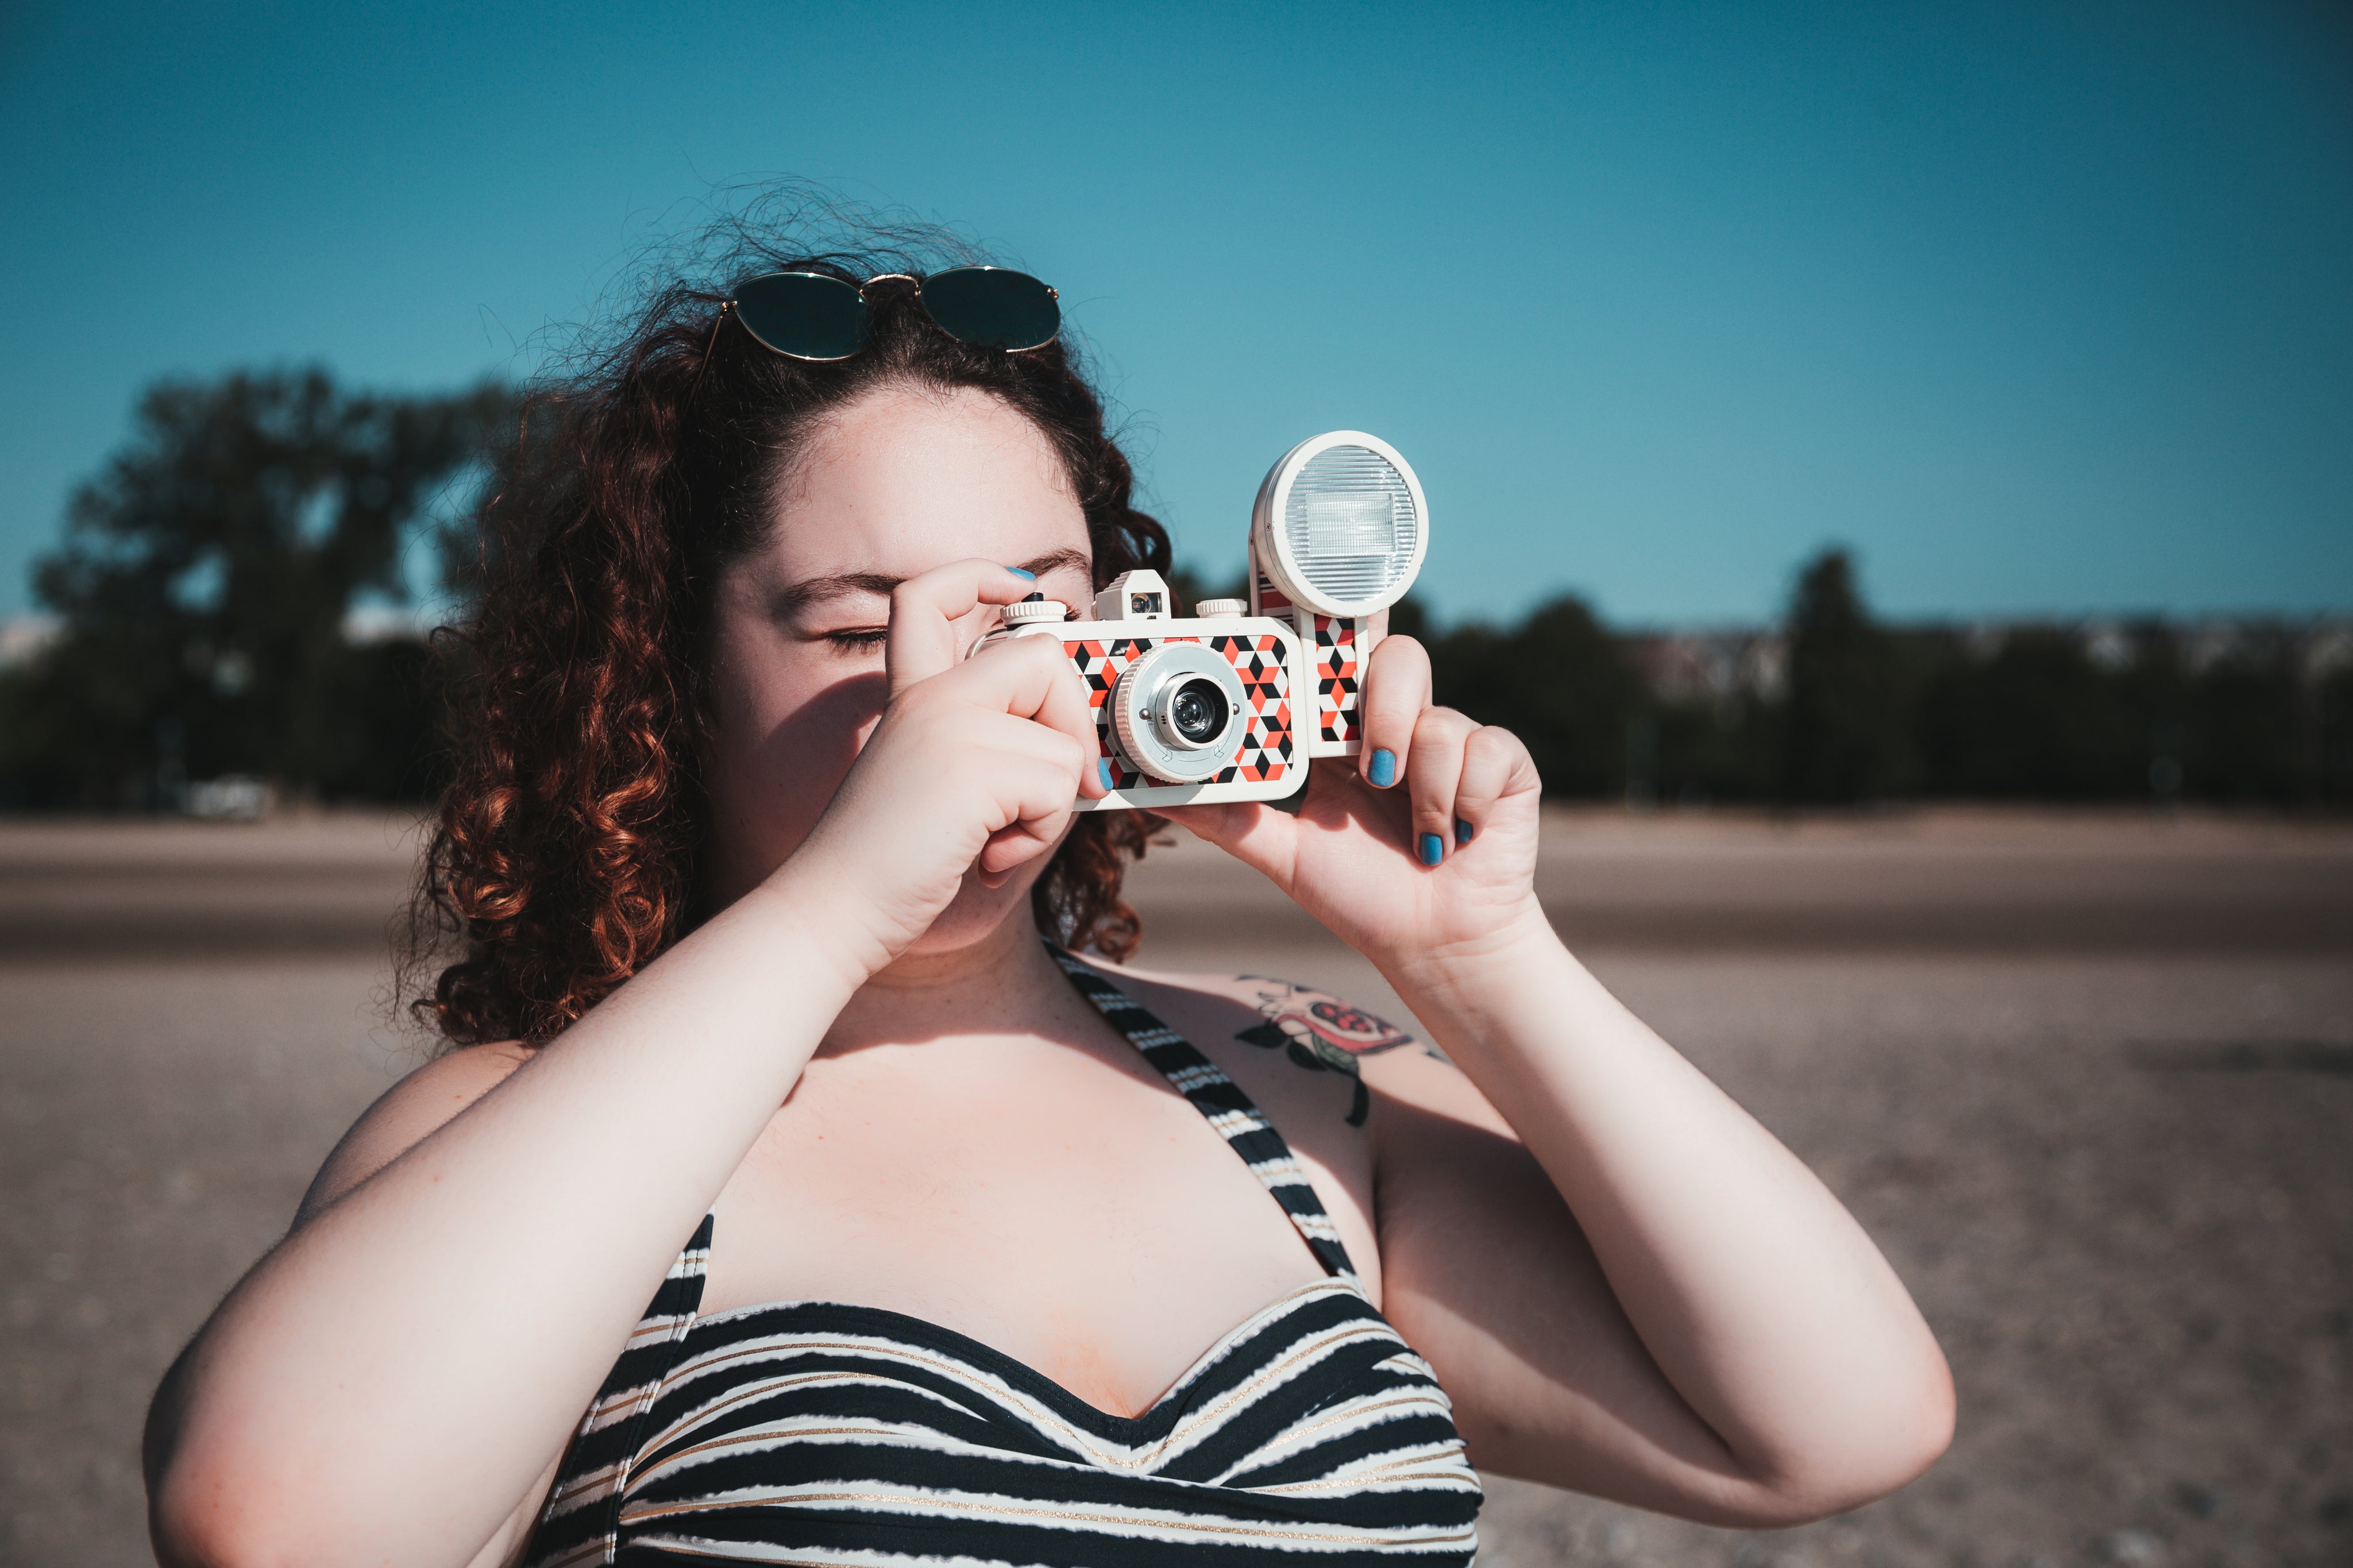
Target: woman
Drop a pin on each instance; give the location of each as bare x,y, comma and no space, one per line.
752,854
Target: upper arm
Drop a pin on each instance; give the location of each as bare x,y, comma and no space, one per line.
1488,1276
405,1115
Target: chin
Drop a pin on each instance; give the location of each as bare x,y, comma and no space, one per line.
977,913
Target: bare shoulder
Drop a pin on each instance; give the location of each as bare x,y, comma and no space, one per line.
1368,1060
405,1114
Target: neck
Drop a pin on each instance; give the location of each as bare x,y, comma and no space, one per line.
1004,983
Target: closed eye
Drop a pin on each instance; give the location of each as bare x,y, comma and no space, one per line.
858,637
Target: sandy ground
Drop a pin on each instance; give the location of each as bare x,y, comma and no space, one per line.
2089,1080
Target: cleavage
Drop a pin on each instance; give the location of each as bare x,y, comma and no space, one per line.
1072,1215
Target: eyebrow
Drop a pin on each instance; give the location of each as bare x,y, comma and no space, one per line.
793,600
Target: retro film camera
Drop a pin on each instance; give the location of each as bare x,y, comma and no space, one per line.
1231,702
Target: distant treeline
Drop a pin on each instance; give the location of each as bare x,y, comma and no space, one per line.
205,588
1831,706
1835,708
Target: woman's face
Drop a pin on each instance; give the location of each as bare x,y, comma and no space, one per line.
901,482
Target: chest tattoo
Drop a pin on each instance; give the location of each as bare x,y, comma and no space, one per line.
1320,1034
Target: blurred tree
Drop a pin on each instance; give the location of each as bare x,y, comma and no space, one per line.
2038,718
2247,724
1557,678
1408,619
1711,749
204,585
1845,737
2152,688
2331,736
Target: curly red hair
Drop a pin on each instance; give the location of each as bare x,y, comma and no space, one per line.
568,853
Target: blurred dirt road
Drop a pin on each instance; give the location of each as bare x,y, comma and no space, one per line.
2088,1078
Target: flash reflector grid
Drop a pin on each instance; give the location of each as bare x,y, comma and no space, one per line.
1347,520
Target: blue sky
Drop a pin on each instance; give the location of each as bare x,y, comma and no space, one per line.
2042,309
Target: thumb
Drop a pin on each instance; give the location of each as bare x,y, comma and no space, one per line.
1251,831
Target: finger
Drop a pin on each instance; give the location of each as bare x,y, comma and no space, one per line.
1033,678
924,610
1252,832
1434,772
1397,688
1009,849
1494,764
1220,822
1019,842
1032,773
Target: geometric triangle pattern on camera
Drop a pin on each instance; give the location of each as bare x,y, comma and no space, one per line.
1266,748
1335,677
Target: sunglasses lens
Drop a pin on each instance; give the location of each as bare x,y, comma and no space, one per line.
993,308
805,314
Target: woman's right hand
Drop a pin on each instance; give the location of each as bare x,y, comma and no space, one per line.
357,1368
973,768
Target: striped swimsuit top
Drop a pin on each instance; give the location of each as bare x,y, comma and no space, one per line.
819,1433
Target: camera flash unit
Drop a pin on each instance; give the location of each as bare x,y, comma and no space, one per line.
1340,525
1336,536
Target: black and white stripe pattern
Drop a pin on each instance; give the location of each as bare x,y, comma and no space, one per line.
1221,1100
819,1433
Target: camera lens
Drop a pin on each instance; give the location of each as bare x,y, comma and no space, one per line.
1198,711
1178,713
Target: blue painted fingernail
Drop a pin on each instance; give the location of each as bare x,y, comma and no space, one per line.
1383,772
1102,771
1025,576
1433,848
1461,831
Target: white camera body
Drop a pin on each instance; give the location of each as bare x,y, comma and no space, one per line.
1231,702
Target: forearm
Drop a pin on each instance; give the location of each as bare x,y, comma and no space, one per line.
1760,1298
434,1333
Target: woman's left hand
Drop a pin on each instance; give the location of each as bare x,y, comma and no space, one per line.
1424,845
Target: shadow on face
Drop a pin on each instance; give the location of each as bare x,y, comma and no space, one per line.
888,487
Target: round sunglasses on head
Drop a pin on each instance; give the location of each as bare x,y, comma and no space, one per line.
815,316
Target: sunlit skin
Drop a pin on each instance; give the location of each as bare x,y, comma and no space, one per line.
799,646
868,1069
